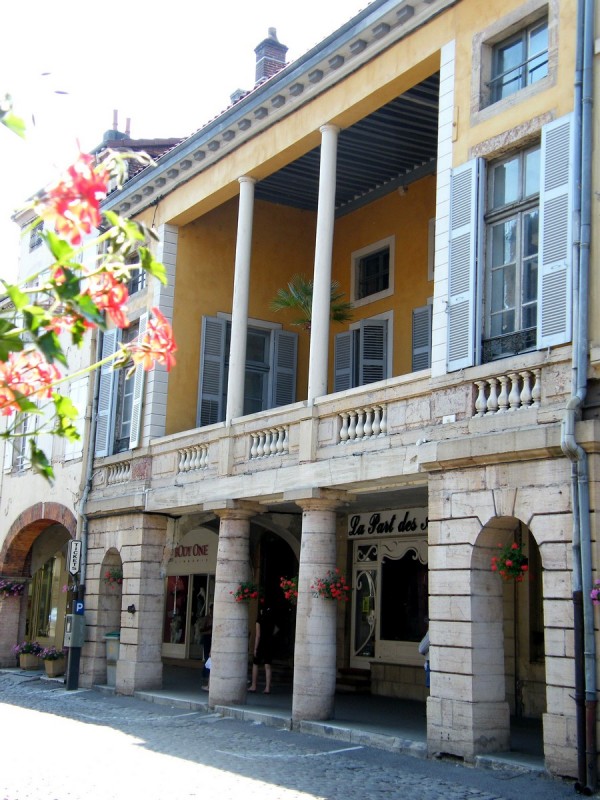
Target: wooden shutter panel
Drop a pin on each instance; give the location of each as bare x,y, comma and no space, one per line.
8,449
373,351
556,211
105,396
462,263
138,393
78,391
284,368
212,371
343,358
421,337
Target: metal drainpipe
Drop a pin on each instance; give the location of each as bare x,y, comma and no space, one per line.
582,554
73,661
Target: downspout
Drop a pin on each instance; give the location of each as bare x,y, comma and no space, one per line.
74,653
585,645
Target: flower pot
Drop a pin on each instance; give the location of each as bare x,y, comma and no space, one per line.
55,667
29,661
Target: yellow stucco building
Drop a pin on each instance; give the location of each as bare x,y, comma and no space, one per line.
435,159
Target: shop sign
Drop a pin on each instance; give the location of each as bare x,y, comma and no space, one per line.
382,523
196,552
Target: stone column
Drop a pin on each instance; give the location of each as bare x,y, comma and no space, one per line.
319,337
241,289
315,648
229,655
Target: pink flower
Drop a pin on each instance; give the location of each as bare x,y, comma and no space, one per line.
155,344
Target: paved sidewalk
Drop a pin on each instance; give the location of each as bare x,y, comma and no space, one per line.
391,724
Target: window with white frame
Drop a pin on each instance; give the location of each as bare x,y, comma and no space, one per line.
509,258
372,275
519,60
512,242
270,374
362,354
35,236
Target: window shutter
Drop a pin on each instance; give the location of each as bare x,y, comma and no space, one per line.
138,393
556,210
421,337
284,368
44,441
8,449
212,371
105,396
78,396
343,358
373,351
462,264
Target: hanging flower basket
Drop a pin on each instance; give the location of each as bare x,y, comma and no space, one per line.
511,563
246,591
10,588
332,587
290,589
113,577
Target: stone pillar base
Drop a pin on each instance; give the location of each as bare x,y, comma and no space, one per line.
560,744
134,676
466,729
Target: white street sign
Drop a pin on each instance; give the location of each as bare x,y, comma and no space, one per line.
74,556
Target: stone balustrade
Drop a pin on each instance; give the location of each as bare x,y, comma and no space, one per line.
118,473
192,458
510,392
269,442
367,422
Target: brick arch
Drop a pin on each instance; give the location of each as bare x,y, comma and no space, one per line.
25,530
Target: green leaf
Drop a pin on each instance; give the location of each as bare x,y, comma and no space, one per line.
13,123
10,341
70,287
60,249
151,266
19,298
84,306
40,463
65,408
50,346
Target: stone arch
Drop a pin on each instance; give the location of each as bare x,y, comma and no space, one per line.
26,528
110,597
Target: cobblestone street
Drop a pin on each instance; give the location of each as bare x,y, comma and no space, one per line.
60,745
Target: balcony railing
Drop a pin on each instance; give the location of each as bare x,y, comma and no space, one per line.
509,392
362,423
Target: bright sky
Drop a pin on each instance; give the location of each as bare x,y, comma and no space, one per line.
168,66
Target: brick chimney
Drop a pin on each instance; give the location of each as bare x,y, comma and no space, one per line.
270,57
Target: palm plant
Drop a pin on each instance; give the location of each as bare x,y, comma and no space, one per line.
298,297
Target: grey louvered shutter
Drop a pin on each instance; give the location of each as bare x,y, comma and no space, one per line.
138,393
421,337
284,368
104,420
212,371
373,351
462,263
556,210
343,358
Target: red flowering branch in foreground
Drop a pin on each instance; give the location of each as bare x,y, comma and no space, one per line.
41,316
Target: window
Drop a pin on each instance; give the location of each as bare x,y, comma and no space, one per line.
35,236
361,354
512,228
137,280
372,272
120,395
519,61
270,377
509,259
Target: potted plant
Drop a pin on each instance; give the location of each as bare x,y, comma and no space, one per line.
55,661
28,653
10,588
113,577
246,591
332,587
511,564
290,589
298,297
